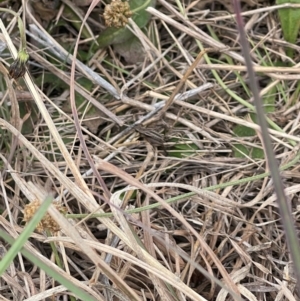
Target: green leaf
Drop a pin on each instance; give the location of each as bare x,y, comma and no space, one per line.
269,100
243,131
28,124
241,150
113,35
182,150
290,23
51,79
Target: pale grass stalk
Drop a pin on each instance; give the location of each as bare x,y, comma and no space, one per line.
268,9
263,69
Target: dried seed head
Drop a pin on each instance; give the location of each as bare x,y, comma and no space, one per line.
47,223
18,67
116,14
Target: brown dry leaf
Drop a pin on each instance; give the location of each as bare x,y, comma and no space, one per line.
131,51
93,121
45,12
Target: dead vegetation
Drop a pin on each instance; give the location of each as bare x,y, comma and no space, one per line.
187,211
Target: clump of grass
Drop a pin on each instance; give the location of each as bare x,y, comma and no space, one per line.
157,203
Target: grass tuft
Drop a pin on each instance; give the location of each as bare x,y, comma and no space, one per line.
151,142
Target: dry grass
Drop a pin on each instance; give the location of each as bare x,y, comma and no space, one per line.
215,217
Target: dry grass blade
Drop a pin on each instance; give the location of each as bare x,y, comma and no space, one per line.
189,211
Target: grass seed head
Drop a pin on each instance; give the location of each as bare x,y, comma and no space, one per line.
18,67
47,223
116,14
